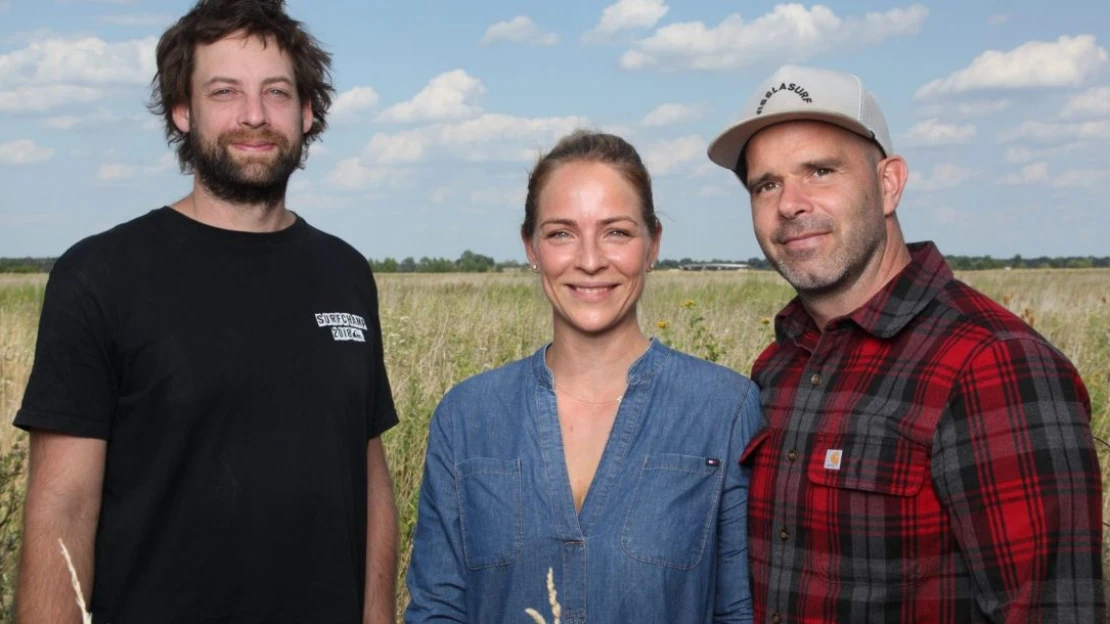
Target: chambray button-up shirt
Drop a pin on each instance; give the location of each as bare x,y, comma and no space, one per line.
662,533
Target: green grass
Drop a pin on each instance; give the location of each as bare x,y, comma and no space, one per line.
440,329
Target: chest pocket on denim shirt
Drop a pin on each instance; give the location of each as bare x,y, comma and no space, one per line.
672,509
490,511
878,477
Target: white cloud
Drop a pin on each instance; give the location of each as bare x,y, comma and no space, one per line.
790,32
667,114
933,132
520,29
1037,173
1092,102
85,60
45,97
1046,132
1033,172
442,194
488,137
624,15
140,20
977,108
165,162
998,18
667,157
23,152
68,122
1021,154
944,176
450,95
351,173
402,147
114,172
1081,178
499,127
354,100
1067,62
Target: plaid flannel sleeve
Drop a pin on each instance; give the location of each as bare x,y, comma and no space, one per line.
1014,464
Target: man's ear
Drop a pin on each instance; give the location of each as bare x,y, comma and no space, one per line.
306,117
181,118
893,173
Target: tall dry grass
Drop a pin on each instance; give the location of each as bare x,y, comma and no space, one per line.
439,329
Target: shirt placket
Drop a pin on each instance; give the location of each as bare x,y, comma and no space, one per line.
802,424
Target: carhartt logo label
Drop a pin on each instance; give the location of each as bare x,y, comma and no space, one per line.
344,327
791,88
832,459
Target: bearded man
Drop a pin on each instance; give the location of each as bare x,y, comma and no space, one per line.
208,393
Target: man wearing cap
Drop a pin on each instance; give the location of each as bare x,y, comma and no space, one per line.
927,456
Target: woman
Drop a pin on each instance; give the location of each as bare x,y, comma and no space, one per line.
606,456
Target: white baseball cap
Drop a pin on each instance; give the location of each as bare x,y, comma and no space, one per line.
803,93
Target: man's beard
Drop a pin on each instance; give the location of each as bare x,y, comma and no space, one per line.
249,181
841,265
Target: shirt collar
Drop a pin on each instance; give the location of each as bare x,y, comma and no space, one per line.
891,309
645,366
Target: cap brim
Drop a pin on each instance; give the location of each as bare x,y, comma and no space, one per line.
726,148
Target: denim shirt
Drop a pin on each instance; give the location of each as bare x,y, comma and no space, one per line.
662,533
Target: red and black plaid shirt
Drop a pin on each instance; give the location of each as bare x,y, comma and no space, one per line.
928,458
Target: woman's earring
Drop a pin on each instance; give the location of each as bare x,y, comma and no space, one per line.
535,268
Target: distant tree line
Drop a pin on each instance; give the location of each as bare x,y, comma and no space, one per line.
26,265
470,262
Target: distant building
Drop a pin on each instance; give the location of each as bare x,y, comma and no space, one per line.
715,266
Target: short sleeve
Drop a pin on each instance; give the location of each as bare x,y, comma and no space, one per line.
73,383
381,414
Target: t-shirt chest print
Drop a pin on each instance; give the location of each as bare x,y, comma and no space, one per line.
344,326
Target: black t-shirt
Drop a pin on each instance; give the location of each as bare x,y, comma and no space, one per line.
237,378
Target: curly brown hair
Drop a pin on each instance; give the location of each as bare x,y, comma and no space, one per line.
212,20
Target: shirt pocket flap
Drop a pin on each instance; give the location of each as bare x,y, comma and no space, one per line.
881,465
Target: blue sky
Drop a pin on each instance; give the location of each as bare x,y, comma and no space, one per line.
1002,110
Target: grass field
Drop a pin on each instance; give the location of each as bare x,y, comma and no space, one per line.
441,329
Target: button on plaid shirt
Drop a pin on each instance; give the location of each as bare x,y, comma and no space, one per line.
928,458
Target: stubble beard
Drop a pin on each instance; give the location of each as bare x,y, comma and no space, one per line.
844,263
252,180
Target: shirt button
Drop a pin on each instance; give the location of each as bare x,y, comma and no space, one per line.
815,379
792,455
784,535
776,618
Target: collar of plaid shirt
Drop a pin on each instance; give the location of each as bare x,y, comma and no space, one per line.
927,458
891,309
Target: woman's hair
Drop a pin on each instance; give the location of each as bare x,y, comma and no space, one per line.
591,147
212,20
